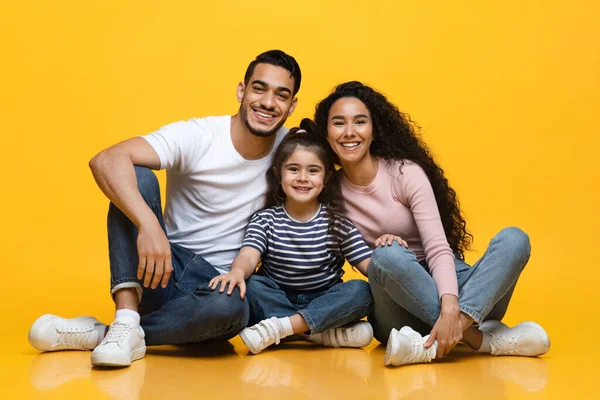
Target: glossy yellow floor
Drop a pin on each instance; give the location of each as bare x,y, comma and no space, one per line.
298,370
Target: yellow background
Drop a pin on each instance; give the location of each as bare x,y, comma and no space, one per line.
507,94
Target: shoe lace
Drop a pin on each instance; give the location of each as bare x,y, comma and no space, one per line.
419,353
74,336
268,330
117,332
505,344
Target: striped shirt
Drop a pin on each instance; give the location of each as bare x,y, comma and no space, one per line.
304,255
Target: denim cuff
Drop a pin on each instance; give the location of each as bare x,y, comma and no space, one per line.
309,321
471,313
127,285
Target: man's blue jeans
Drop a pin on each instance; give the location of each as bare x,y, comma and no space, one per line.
186,311
343,303
405,293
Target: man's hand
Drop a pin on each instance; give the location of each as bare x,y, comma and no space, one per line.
233,279
154,253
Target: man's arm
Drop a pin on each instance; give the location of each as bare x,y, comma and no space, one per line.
114,173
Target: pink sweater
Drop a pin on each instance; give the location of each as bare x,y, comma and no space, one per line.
403,204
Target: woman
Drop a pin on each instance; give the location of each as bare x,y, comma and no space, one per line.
391,183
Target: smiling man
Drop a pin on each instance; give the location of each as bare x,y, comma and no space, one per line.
161,265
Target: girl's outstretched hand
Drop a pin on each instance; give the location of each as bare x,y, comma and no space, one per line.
388,239
233,278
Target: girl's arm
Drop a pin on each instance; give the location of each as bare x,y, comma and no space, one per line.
383,240
363,266
242,267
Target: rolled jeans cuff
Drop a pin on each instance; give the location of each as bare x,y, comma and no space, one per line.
128,285
309,320
471,313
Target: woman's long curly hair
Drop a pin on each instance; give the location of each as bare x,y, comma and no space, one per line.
307,137
395,137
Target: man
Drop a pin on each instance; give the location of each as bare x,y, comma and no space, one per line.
160,269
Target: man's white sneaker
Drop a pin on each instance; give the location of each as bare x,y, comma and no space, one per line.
359,334
50,333
406,347
260,336
123,344
524,339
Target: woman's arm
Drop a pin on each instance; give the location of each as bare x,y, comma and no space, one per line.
416,189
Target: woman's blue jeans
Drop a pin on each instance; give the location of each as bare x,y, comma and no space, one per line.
405,293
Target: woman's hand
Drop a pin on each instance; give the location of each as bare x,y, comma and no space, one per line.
448,330
388,239
233,278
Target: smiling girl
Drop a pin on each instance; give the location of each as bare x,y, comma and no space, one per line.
302,241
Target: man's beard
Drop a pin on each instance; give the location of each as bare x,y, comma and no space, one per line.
255,132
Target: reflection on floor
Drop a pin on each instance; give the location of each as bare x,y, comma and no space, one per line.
296,370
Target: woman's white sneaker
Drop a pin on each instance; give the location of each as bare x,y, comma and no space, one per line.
406,347
525,339
50,333
123,344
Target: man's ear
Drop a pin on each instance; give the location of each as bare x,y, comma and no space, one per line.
240,91
293,106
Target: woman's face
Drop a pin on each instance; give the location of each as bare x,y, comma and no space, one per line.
350,130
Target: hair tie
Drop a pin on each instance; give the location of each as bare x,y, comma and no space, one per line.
301,131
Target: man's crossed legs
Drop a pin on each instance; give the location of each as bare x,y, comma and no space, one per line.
185,311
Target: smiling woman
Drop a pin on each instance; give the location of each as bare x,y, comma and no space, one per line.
391,184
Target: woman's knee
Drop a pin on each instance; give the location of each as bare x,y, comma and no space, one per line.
515,241
394,259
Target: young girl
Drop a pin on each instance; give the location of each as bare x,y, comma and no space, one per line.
302,242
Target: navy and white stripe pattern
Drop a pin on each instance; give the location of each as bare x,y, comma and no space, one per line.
304,255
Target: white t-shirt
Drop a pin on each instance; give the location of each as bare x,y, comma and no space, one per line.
212,191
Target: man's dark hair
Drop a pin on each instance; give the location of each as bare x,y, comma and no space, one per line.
279,59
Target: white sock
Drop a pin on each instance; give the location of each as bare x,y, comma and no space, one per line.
485,344
286,324
124,312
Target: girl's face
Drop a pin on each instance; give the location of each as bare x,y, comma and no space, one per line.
349,130
303,177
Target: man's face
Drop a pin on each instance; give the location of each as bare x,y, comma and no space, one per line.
267,100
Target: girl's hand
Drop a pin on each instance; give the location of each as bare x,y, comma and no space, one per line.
233,279
448,330
388,239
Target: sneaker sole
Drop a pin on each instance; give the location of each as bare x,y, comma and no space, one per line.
389,349
117,360
248,344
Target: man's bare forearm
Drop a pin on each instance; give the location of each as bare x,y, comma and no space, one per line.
114,173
